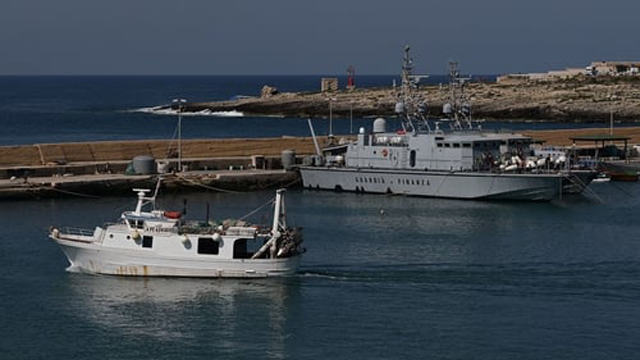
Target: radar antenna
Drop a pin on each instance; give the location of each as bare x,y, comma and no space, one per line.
458,109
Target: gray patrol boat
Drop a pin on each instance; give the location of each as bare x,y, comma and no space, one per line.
461,162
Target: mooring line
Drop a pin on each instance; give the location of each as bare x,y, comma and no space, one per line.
206,186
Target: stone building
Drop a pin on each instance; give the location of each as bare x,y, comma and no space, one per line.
329,84
615,68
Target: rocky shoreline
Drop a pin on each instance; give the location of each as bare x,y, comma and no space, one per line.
579,99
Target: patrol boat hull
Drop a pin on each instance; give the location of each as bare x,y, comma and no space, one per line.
455,185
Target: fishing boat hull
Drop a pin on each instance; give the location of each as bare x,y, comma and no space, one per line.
91,257
455,185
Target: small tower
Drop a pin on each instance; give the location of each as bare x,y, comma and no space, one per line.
351,71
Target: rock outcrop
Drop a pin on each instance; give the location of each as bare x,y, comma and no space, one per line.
268,91
575,100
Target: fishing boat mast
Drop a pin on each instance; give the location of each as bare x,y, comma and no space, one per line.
278,227
180,103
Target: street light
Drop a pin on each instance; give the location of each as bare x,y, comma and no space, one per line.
179,102
331,100
351,117
612,98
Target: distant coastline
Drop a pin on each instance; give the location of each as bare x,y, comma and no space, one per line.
577,99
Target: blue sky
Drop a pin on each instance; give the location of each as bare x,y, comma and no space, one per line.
311,37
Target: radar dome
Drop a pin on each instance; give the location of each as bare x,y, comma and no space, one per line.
379,126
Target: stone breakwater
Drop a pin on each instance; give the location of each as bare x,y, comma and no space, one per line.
580,99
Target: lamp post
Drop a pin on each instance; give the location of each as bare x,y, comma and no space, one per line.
351,117
179,102
612,98
331,100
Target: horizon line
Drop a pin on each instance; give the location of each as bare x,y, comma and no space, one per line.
196,75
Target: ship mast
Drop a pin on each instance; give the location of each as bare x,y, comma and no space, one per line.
457,110
411,108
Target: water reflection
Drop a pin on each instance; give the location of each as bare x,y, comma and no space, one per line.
218,314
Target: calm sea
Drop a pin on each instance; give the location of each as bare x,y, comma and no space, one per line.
422,279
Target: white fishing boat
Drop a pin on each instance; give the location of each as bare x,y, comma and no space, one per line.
424,159
154,242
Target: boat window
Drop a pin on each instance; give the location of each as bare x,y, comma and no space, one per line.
147,241
412,158
136,224
439,144
466,145
456,145
447,145
242,249
207,245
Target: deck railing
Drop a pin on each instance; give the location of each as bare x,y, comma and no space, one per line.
76,231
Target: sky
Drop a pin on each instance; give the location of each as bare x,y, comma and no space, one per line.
280,37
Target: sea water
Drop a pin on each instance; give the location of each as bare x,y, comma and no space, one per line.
384,276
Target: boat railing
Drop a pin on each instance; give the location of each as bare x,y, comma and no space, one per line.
241,231
76,231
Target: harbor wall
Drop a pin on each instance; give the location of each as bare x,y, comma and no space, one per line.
96,186
114,151
119,167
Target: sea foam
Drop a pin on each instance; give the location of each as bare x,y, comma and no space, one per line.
164,110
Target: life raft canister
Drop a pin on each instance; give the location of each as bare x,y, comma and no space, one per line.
172,214
385,152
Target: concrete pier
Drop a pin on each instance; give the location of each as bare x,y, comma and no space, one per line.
98,168
102,185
